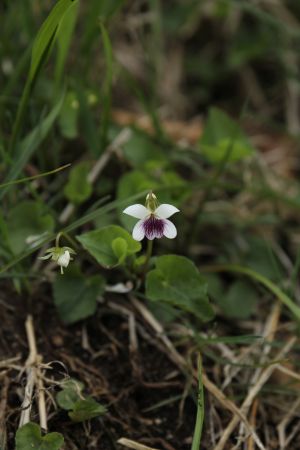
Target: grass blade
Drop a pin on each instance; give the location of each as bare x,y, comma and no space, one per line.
282,296
34,177
200,410
64,35
42,46
106,90
30,144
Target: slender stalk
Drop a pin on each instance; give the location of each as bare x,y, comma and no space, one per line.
67,237
34,177
148,256
200,409
58,236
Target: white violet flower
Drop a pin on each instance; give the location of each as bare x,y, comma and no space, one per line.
64,259
153,221
61,255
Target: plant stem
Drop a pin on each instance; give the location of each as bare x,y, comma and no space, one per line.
200,409
67,237
148,256
57,239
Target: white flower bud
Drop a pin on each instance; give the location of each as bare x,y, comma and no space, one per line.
64,259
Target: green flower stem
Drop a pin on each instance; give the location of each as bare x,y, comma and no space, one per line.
67,237
57,239
200,409
148,256
282,296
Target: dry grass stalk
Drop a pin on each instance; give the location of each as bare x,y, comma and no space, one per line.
134,445
180,361
34,380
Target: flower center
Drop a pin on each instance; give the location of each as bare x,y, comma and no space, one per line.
151,202
153,227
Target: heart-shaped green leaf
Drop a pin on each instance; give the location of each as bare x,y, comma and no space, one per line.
177,281
78,189
86,409
70,394
120,248
75,295
109,245
27,222
223,139
29,437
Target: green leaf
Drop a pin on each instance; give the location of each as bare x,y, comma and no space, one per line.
29,437
139,150
120,247
42,46
164,312
47,34
259,256
26,221
268,284
86,409
239,301
105,246
64,35
75,295
30,143
80,409
68,117
88,126
223,139
177,281
78,189
236,301
107,86
70,394
108,7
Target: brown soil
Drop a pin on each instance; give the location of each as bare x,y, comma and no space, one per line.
148,398
97,353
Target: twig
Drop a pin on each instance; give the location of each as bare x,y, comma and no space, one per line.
228,404
252,393
3,403
133,342
135,445
173,355
251,445
176,358
34,379
30,372
41,395
281,427
9,362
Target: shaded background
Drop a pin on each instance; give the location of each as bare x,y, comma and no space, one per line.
178,57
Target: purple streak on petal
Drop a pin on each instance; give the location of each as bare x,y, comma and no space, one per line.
153,227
